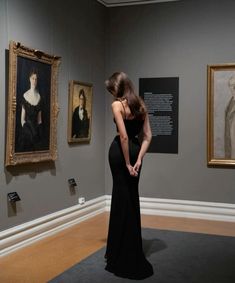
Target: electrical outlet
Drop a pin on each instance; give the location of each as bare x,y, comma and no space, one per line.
81,200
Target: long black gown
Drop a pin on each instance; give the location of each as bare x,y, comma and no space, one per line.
30,136
124,253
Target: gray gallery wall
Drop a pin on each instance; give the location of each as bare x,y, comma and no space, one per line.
176,39
74,30
157,40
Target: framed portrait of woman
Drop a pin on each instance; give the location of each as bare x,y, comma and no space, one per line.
79,112
221,115
32,106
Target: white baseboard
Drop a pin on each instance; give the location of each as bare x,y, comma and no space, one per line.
30,232
186,208
27,233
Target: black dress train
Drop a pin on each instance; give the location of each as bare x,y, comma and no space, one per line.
124,253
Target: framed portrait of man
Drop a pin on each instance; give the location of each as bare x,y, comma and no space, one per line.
32,106
221,115
79,112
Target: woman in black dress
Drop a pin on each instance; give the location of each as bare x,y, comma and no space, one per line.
30,138
124,253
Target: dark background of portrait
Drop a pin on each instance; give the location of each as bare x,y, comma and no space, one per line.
24,67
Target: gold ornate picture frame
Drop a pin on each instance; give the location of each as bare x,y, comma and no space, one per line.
32,106
79,112
221,115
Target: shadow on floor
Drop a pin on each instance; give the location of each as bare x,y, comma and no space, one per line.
152,246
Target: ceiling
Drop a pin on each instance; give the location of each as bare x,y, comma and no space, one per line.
113,3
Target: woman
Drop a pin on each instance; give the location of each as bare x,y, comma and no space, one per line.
31,116
124,253
80,120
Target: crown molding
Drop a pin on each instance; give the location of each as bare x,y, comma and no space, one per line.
116,3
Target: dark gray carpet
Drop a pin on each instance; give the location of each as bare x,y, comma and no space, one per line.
177,257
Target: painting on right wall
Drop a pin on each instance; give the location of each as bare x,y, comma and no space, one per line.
221,114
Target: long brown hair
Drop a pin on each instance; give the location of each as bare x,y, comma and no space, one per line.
122,88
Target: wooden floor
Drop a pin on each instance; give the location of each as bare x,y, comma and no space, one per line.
49,257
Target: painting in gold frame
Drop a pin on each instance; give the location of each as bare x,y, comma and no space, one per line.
221,115
79,112
32,106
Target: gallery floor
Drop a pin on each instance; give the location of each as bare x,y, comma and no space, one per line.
49,257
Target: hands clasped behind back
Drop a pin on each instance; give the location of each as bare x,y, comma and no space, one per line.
134,170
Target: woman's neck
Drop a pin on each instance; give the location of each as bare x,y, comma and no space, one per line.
123,98
33,89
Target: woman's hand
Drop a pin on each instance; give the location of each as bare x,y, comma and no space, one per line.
131,170
137,165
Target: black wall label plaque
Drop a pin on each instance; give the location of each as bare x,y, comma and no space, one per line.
13,197
72,182
161,96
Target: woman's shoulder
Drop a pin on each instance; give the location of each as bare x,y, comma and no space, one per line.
26,94
116,104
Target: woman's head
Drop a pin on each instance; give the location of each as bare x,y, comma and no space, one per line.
33,78
120,86
82,98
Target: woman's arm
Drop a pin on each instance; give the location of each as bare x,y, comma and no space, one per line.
147,136
39,117
118,116
22,116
